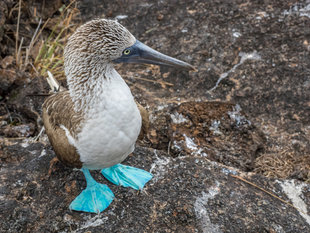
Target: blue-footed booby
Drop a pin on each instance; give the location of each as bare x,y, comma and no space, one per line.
95,123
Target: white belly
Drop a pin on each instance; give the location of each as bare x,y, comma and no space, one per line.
112,128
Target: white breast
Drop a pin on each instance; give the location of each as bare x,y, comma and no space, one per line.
113,124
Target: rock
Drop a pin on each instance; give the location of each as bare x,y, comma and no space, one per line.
44,10
3,16
23,130
7,62
187,194
3,12
219,131
27,98
7,79
252,55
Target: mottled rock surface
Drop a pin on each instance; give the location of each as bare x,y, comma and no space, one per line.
245,113
187,194
217,130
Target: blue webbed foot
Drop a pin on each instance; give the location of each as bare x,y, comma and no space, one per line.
95,198
127,176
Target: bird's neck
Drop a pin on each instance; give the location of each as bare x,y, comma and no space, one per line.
87,86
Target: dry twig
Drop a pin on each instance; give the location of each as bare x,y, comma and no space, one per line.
265,191
17,54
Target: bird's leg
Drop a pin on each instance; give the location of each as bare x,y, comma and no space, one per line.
127,176
95,198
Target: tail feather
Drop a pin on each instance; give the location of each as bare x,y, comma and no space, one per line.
52,82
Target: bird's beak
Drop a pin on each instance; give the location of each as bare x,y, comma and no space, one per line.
141,53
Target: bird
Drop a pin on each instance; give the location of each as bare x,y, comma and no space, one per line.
94,124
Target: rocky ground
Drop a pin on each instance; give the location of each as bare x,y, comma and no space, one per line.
243,117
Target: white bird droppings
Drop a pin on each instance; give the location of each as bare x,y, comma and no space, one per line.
244,56
236,34
190,144
294,192
178,118
202,212
299,10
215,127
94,222
158,168
43,152
25,144
120,17
237,117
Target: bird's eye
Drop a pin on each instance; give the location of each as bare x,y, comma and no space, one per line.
127,51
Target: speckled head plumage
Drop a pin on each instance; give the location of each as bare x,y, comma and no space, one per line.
101,40
88,55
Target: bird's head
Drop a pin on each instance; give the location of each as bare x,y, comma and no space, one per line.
104,41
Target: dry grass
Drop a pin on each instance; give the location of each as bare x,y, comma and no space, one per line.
284,164
18,47
275,164
50,53
287,157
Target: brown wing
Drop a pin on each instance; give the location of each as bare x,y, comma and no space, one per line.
145,121
58,110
